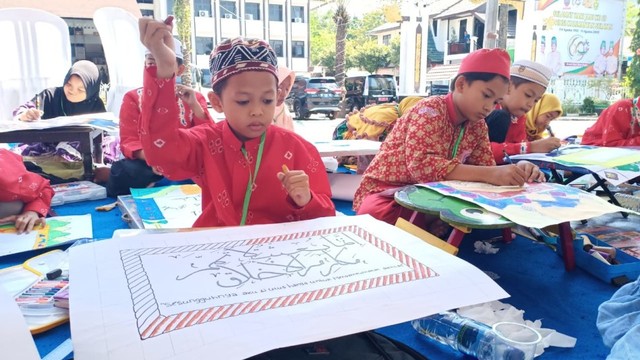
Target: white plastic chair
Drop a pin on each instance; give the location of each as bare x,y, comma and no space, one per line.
123,50
36,55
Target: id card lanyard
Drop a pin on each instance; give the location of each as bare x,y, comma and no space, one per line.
454,152
252,177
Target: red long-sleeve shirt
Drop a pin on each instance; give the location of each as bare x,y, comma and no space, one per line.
212,154
130,115
18,184
616,126
515,141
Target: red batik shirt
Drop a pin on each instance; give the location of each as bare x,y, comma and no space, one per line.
515,142
616,126
130,115
18,184
212,154
420,146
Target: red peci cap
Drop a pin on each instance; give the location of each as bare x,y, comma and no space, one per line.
493,61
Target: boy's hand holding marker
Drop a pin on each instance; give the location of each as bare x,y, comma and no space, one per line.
296,182
157,37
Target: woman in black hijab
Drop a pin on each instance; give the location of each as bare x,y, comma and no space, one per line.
78,96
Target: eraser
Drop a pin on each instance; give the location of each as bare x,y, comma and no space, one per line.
54,274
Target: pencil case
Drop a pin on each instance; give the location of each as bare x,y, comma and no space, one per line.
627,268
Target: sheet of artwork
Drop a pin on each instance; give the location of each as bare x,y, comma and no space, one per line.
104,121
15,338
347,147
58,230
534,205
236,292
617,165
168,207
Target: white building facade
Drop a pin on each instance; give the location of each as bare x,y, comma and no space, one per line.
283,23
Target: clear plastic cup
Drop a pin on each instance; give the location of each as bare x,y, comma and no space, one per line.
515,341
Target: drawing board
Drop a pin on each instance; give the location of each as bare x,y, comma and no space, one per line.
237,292
104,121
533,205
58,230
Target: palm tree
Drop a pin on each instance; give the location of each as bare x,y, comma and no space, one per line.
184,14
341,19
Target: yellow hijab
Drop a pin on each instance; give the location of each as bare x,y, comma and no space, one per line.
548,103
371,121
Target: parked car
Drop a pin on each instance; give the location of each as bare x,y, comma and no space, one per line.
369,89
311,95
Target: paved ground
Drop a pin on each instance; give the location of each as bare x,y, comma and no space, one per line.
320,128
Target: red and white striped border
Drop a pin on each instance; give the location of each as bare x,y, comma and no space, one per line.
152,323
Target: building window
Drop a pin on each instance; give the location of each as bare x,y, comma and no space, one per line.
146,13
275,12
434,25
170,7
278,47
228,10
386,39
297,49
252,11
204,45
297,14
145,1
202,8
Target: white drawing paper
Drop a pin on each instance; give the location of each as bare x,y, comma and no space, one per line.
236,292
15,339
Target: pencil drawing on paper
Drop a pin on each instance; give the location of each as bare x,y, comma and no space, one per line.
177,287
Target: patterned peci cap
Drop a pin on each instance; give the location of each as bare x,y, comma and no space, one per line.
233,56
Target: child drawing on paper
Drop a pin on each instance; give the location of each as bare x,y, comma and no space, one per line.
617,125
508,122
25,197
443,138
541,115
242,162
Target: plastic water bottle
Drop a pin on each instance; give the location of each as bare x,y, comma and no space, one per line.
466,335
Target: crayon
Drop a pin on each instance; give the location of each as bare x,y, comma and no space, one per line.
550,131
285,169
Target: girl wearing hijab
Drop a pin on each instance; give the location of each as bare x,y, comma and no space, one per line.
78,96
286,78
542,113
372,122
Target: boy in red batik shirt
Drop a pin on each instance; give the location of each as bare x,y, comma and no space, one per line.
242,163
443,138
25,197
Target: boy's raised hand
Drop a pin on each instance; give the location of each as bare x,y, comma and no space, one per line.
156,36
188,96
296,182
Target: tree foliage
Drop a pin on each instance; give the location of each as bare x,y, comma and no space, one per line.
370,56
632,79
183,14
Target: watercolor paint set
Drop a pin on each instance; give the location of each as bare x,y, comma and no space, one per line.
41,293
77,191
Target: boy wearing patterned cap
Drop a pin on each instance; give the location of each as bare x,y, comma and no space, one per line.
443,138
133,171
241,163
507,123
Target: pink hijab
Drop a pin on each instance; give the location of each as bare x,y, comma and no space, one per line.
282,116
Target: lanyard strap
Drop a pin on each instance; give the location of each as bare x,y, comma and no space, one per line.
252,177
457,143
